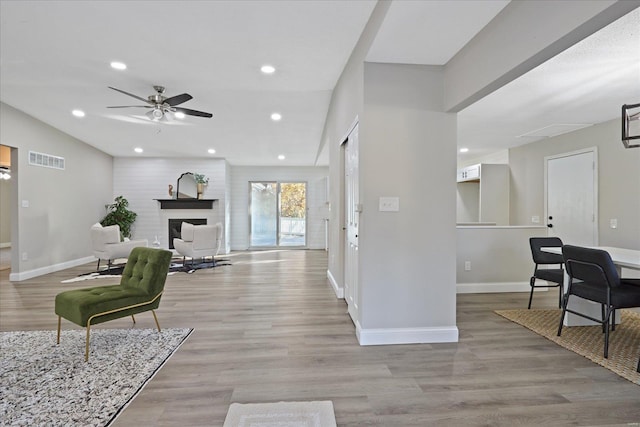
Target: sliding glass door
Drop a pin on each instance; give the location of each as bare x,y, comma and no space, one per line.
278,214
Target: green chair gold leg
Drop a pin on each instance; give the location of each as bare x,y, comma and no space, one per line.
156,318
86,351
134,319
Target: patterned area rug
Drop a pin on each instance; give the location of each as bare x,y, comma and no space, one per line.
298,414
588,341
175,267
42,383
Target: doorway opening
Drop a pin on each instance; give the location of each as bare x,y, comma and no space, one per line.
278,214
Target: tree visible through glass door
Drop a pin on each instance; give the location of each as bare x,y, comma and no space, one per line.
278,214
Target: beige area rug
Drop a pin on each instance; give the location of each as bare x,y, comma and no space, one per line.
588,341
285,414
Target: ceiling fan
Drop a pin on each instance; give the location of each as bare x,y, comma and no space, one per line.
160,105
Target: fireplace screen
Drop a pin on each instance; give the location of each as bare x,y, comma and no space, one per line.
175,226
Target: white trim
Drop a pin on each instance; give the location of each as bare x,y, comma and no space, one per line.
17,277
5,245
336,288
345,137
387,336
495,287
596,201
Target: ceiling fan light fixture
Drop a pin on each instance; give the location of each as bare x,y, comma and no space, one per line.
179,115
157,113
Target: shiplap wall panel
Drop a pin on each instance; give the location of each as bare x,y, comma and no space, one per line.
142,180
316,179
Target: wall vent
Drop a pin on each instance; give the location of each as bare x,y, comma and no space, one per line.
46,160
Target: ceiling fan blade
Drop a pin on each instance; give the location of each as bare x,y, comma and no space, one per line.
130,94
131,106
178,99
192,112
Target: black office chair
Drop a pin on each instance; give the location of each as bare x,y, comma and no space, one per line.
555,275
593,276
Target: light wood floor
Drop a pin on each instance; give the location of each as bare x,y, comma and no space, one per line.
269,328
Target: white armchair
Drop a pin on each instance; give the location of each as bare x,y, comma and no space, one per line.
106,244
198,241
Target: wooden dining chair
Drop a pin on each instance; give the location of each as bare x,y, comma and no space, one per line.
593,276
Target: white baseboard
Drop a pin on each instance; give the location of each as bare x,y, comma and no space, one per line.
388,336
337,289
487,288
5,245
29,274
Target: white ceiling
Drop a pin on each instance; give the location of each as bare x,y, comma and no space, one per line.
584,85
55,55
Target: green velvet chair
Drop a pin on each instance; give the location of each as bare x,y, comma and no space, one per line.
139,290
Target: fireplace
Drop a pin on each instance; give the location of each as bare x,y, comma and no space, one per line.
175,226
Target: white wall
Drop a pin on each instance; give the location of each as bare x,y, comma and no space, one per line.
315,177
53,231
142,180
618,181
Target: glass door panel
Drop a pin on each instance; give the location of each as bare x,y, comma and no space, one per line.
278,214
263,207
293,214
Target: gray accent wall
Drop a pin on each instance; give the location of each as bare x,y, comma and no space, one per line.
407,150
53,231
618,181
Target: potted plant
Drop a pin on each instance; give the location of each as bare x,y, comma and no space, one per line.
201,181
118,214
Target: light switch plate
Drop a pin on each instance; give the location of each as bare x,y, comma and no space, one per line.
389,204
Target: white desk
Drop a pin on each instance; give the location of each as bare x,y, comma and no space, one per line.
622,258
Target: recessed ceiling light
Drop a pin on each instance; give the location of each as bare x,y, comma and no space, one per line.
276,117
138,150
78,113
211,151
267,69
281,157
179,115
118,65
464,150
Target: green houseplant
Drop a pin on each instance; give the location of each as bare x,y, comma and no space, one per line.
200,178
118,214
201,181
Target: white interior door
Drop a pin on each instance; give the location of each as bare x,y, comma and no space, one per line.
352,203
571,197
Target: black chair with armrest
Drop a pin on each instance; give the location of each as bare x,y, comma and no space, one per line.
593,276
550,275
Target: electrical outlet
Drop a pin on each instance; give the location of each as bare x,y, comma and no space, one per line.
25,257
613,223
467,266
